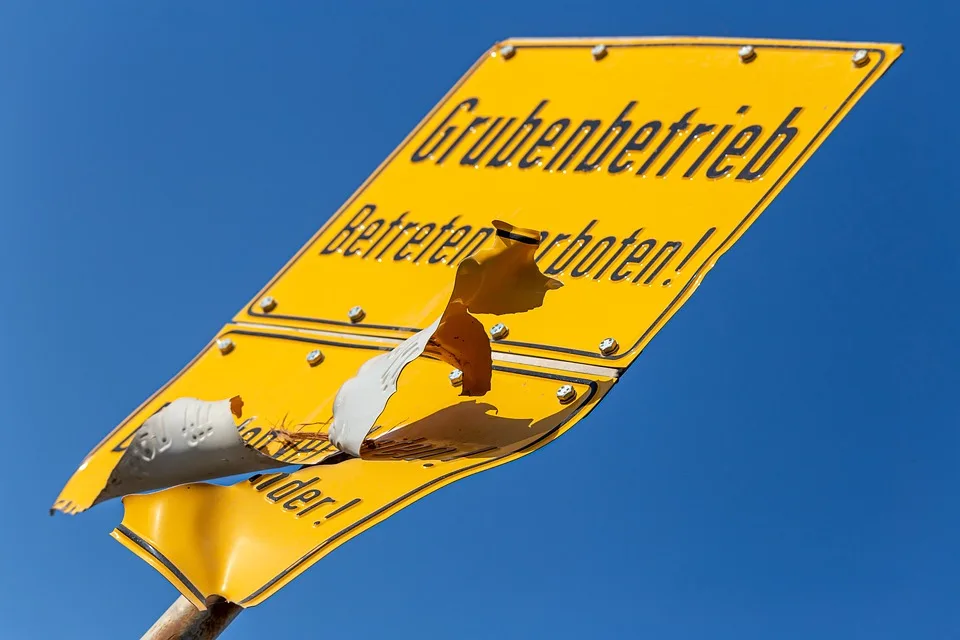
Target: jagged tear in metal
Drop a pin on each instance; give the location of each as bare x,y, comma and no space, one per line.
499,280
185,441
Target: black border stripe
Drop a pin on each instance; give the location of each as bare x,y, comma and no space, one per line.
162,559
695,278
516,236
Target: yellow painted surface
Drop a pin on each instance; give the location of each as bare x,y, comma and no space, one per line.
247,540
652,217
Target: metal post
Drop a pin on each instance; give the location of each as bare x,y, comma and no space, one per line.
183,621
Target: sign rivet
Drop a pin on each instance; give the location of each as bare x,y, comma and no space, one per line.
599,52
456,377
499,331
356,314
507,51
861,57
315,357
609,346
225,345
566,394
268,304
747,53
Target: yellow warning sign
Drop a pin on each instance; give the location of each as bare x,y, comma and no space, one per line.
641,160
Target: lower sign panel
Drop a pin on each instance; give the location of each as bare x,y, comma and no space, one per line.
244,542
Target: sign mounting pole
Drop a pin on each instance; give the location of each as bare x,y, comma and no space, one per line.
184,621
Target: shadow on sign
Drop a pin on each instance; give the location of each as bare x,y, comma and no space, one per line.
465,430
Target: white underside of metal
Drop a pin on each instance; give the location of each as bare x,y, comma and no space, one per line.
362,398
189,440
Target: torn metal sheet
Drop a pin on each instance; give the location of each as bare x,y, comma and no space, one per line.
502,279
634,216
246,541
281,391
363,398
188,440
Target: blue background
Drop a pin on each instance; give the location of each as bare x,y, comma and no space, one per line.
780,463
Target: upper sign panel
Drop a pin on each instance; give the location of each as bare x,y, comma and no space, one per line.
641,162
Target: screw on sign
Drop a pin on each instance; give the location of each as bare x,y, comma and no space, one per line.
609,346
566,394
499,331
356,314
538,274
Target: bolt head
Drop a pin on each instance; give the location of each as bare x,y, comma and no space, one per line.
747,53
566,394
599,52
507,51
225,345
268,304
456,377
861,57
315,357
356,314
609,346
499,331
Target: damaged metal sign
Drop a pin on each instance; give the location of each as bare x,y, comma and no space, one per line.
190,439
637,192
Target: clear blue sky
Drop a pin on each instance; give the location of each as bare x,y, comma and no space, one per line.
796,472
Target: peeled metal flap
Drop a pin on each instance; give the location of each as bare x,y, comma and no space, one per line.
642,161
185,441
